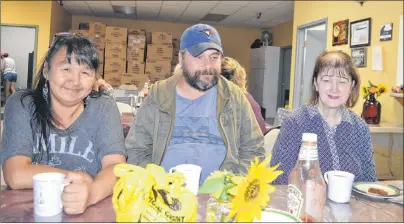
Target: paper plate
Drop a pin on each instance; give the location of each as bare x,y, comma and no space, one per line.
363,187
275,215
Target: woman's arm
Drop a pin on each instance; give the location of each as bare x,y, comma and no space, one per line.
366,155
286,149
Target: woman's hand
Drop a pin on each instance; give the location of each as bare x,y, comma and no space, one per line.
76,195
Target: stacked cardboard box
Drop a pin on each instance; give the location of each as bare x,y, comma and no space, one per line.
159,56
97,36
135,59
176,51
115,54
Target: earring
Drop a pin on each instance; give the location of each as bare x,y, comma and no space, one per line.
45,92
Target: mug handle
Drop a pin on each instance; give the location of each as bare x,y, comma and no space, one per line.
172,170
326,177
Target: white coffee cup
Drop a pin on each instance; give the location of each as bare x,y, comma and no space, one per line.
192,174
48,189
339,185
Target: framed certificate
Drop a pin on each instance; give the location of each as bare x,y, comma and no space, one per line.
360,33
340,32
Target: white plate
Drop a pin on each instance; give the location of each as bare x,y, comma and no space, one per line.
275,215
363,187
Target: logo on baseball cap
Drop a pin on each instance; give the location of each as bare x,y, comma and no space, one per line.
199,38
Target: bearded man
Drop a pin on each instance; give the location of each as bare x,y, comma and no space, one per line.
196,116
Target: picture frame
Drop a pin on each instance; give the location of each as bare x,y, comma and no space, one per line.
386,32
359,56
360,33
340,32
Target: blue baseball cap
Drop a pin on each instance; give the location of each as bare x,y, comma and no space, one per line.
199,38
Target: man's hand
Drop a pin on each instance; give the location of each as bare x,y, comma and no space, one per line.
76,195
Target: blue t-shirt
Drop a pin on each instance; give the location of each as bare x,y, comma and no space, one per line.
196,137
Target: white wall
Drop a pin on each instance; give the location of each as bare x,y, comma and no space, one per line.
18,42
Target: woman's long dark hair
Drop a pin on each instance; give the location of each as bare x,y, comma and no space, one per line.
43,119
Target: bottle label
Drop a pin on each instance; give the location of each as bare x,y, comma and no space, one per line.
308,154
295,200
315,199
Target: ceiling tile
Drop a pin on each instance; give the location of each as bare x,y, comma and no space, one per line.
171,10
148,9
250,11
123,3
228,7
78,7
101,8
196,10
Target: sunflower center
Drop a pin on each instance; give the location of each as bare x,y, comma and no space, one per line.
252,190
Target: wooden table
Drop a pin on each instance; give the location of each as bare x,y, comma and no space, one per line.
17,206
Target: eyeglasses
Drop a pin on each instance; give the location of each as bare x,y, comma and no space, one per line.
228,74
57,36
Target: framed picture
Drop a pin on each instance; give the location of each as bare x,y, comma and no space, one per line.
360,33
359,56
386,32
340,32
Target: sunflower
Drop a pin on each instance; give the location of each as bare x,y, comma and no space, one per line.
382,88
365,91
252,192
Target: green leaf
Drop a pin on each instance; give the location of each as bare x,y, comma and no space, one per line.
224,196
211,185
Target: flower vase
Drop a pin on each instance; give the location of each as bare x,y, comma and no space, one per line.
371,110
218,210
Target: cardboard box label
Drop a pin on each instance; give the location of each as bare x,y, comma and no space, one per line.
115,50
134,79
162,38
158,69
139,32
98,40
159,52
136,67
136,41
97,28
116,34
114,79
135,54
114,65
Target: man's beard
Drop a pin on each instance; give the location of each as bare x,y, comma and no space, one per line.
195,81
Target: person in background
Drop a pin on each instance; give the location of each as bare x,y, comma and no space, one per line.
343,137
196,116
233,71
9,74
62,126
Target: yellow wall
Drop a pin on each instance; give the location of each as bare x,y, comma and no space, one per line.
30,13
381,12
236,42
283,34
61,20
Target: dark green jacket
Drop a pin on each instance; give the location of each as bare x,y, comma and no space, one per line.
151,130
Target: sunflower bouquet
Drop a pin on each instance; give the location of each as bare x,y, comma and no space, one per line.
373,90
246,195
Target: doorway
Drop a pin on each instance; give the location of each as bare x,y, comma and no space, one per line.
20,42
284,76
311,42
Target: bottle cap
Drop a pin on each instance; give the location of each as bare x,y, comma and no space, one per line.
309,137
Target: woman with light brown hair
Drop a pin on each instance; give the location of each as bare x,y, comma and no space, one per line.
233,71
343,137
